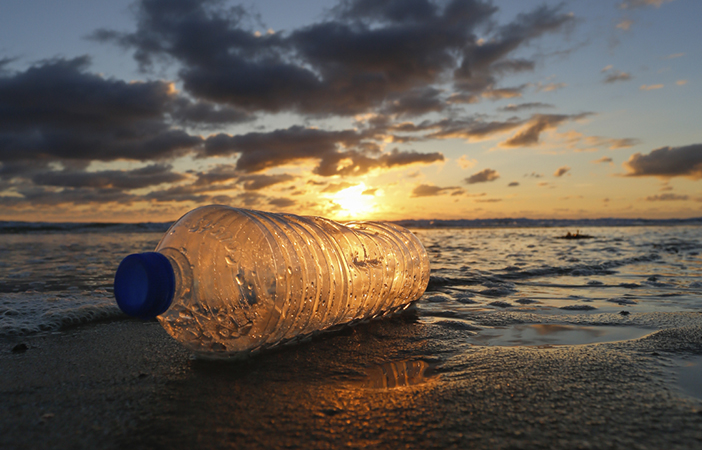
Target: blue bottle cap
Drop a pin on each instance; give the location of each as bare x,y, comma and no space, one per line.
144,285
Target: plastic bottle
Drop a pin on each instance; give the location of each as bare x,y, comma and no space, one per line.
226,281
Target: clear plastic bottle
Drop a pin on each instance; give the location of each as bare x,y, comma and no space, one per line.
226,281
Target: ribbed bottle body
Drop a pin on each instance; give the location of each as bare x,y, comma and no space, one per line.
247,280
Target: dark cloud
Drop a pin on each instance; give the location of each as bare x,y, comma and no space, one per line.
39,196
344,152
470,129
476,72
207,115
220,173
352,163
197,193
428,190
536,125
666,198
667,162
361,56
483,176
282,202
263,150
416,103
478,129
561,171
151,175
617,75
513,184
604,159
261,181
389,59
523,106
612,143
56,110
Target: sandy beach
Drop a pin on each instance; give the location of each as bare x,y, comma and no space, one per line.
127,384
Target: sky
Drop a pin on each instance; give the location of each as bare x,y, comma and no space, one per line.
128,111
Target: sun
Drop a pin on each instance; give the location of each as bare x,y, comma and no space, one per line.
353,202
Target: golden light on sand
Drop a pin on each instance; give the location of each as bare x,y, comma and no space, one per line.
352,202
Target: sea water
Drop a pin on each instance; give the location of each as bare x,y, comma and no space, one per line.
503,282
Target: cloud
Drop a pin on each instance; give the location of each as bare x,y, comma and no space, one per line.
681,82
74,196
57,111
207,115
466,163
462,98
333,188
534,175
561,171
675,55
282,202
625,24
513,184
549,87
523,106
358,58
615,144
666,198
499,94
667,162
148,176
535,126
428,190
415,103
470,129
631,4
483,176
617,75
604,159
610,143
389,59
343,152
261,181
650,87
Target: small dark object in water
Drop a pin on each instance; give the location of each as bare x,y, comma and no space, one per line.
20,348
577,235
624,313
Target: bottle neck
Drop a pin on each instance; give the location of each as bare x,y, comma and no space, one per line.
183,274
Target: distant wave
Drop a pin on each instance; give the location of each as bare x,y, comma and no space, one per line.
9,227
545,223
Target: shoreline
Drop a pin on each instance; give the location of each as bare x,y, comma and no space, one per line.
127,384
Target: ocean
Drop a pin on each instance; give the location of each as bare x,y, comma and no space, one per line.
507,282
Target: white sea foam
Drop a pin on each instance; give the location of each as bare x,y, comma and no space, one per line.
32,312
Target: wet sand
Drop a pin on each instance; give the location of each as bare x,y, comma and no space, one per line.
394,383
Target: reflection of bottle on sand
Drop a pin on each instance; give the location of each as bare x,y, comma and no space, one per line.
225,281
